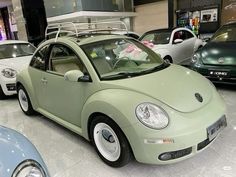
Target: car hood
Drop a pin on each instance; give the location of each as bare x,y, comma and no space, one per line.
16,63
174,86
219,53
15,148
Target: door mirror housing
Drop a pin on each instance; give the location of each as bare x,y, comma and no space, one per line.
178,41
73,75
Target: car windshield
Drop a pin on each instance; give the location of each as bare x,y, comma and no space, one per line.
225,34
16,50
157,37
119,58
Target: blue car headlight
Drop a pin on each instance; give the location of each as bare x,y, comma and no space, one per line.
9,73
152,116
29,168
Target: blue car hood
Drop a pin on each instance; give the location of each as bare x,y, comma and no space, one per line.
14,149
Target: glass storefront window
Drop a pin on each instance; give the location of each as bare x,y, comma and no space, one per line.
61,7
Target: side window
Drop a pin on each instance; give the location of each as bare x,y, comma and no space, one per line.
178,35
187,35
38,60
63,59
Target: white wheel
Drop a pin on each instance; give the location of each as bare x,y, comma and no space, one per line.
107,142
23,100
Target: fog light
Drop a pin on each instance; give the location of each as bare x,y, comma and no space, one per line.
165,156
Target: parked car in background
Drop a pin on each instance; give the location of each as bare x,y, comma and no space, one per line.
217,59
19,157
129,34
14,56
174,45
120,95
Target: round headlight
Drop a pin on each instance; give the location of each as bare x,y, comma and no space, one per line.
9,73
195,58
152,116
29,168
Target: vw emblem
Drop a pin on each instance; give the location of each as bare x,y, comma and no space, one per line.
221,60
199,97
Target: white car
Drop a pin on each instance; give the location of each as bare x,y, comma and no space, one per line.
14,56
174,45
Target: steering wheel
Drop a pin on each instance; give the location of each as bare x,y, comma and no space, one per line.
123,58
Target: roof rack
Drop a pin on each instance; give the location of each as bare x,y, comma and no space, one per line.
78,29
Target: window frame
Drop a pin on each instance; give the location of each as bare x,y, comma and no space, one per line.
44,57
74,52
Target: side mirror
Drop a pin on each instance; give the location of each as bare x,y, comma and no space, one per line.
178,41
73,75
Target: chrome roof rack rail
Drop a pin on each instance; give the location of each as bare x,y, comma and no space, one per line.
77,29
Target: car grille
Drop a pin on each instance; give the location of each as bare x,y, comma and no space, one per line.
203,144
11,87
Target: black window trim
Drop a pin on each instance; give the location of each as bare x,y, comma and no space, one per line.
45,57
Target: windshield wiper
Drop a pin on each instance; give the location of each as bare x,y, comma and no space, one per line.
122,74
156,68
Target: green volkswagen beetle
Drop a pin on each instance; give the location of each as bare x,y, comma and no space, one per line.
217,59
120,95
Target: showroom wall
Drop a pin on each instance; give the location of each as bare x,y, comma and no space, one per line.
151,16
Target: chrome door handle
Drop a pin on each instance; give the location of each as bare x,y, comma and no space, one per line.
44,81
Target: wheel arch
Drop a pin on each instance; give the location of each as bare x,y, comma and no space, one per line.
168,57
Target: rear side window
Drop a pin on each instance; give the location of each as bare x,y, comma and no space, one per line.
38,60
188,35
182,34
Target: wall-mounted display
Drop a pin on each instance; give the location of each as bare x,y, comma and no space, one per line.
228,11
210,15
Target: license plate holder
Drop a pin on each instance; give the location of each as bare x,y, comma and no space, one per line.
218,73
215,128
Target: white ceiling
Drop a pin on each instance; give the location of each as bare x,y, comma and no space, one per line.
4,3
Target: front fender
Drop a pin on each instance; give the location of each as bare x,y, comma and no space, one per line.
117,104
24,79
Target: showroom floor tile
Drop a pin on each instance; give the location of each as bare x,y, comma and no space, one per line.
68,155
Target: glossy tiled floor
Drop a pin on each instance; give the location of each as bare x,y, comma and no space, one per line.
68,155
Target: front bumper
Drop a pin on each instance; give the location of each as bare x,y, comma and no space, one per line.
206,71
185,136
8,86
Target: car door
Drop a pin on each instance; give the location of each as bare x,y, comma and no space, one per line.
63,99
189,42
177,49
36,69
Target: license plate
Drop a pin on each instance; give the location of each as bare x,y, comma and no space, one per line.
214,129
219,73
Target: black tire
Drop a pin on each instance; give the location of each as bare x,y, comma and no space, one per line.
125,151
168,59
29,110
2,95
